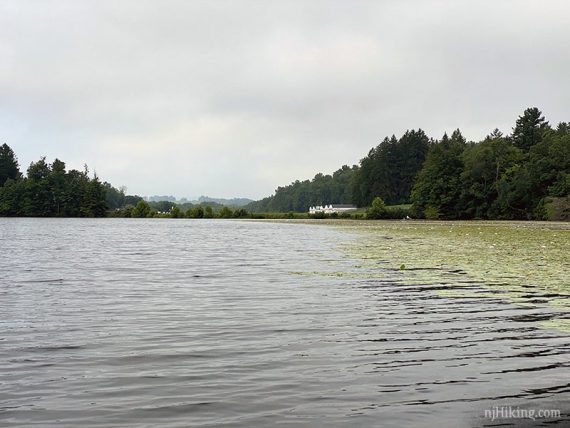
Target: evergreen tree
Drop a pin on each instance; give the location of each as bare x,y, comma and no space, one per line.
57,182
437,189
390,169
38,197
484,166
94,201
529,129
141,210
11,198
9,168
115,198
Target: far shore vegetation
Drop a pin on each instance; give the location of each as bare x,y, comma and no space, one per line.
521,176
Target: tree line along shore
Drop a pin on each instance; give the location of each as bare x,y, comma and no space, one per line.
524,175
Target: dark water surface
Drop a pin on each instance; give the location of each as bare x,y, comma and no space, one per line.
202,323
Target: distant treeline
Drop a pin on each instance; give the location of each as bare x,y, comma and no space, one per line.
524,175
49,190
167,209
300,195
233,202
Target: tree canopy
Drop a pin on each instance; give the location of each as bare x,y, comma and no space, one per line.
517,176
529,129
524,175
502,177
390,168
300,195
9,168
48,190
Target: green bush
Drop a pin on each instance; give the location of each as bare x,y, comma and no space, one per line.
397,213
142,210
377,210
241,213
225,212
557,209
431,213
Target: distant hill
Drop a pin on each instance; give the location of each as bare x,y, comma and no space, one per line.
159,198
234,202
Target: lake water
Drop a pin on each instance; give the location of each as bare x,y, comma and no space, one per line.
208,323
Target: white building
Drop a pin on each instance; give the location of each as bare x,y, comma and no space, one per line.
331,208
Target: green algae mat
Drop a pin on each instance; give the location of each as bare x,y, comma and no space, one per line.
526,263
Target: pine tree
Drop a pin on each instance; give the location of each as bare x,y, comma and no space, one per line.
529,129
9,167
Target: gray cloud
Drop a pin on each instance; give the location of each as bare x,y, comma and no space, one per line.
232,98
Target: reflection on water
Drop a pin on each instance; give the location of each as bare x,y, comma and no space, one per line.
178,323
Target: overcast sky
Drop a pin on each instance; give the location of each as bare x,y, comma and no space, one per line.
233,98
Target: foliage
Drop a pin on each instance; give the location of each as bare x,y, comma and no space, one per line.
132,200
176,213
225,212
162,206
115,198
501,177
241,213
557,209
530,128
390,168
432,213
525,175
49,190
437,188
141,210
377,210
196,212
486,164
9,168
300,195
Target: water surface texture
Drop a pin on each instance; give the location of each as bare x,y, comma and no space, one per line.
209,323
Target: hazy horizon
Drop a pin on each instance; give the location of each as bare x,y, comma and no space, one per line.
234,98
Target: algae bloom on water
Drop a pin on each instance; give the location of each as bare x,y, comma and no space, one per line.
518,261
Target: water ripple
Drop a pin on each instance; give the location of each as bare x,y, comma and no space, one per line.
139,323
